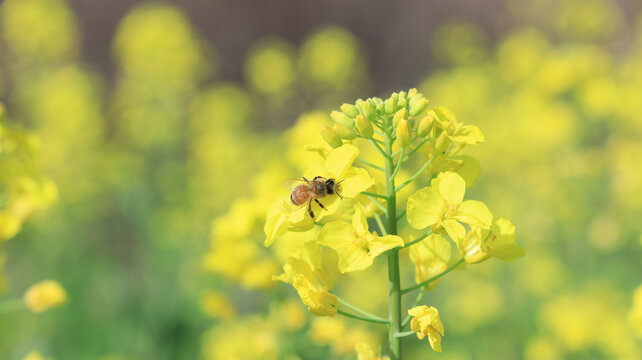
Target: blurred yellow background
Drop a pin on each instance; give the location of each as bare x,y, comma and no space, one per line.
137,163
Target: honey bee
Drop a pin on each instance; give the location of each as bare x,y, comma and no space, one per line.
313,190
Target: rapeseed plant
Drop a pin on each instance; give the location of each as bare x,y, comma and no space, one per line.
396,128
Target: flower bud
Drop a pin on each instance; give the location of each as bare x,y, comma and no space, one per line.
413,99
350,110
381,108
341,118
418,107
402,103
402,95
401,114
330,137
441,141
368,110
391,104
344,132
412,92
424,125
364,126
403,132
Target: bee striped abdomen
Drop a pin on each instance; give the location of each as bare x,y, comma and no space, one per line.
300,195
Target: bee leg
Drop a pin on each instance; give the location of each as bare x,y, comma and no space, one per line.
319,202
310,209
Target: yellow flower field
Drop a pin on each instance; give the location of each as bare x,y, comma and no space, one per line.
281,181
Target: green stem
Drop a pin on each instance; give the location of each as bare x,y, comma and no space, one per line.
383,153
363,318
404,334
367,193
415,149
417,174
418,239
377,204
394,294
359,310
426,282
399,163
401,215
420,296
380,224
364,162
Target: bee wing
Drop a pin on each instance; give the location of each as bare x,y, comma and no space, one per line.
292,183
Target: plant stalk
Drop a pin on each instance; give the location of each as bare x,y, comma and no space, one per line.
394,295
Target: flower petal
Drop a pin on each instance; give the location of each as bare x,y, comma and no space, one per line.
455,230
475,213
468,134
503,246
339,236
451,187
353,258
430,257
355,180
275,222
319,302
359,222
336,234
298,219
379,245
340,159
469,169
313,170
435,339
424,208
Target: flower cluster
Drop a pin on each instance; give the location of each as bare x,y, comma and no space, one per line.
346,210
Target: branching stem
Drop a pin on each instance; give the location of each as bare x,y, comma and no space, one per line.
358,310
417,174
426,282
367,193
367,163
363,318
394,294
382,228
418,239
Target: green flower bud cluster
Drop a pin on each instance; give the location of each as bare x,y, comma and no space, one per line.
405,112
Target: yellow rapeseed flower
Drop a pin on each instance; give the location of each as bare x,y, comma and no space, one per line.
441,206
311,281
455,131
44,295
426,322
499,242
283,215
355,245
